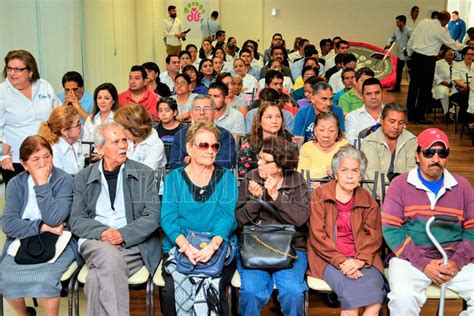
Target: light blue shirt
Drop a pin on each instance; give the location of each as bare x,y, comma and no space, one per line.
297,68
402,37
21,117
287,116
209,26
86,102
68,157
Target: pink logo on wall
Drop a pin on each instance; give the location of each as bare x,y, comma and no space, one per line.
194,11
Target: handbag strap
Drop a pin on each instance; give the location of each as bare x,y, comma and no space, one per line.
269,208
29,249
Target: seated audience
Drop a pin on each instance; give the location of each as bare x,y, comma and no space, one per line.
278,54
391,148
116,215
310,51
253,59
348,61
267,122
277,182
206,50
138,93
154,83
353,99
169,125
206,72
345,237
225,116
195,86
413,197
322,102
200,197
316,155
463,74
368,115
192,49
38,200
184,59
203,111
307,62
307,72
234,101
184,98
298,52
288,104
442,82
106,102
276,65
144,144
270,95
340,47
277,40
326,46
63,130
249,83
226,65
338,60
74,94
172,69
308,90
348,80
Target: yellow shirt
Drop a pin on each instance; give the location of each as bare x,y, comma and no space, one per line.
313,159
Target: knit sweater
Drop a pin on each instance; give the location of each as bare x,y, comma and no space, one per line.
408,206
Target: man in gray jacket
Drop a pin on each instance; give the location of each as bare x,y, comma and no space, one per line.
115,214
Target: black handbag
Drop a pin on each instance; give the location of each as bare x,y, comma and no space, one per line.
223,256
267,246
37,249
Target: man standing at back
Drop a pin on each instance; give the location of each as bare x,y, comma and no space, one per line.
401,36
457,27
173,32
423,47
210,26
138,93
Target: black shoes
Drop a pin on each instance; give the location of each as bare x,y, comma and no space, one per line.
31,311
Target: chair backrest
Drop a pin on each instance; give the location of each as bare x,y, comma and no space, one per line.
90,151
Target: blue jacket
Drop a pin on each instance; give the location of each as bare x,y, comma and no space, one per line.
225,158
54,201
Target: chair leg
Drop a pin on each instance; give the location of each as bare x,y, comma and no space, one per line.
35,302
76,297
306,303
235,303
70,293
149,296
1,304
229,299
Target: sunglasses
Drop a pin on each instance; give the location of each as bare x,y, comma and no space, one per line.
429,153
205,146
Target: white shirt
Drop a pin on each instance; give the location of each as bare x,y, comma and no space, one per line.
293,56
188,106
442,73
336,81
428,37
167,80
330,59
89,127
170,28
104,213
233,121
150,151
460,70
249,83
356,121
68,157
21,117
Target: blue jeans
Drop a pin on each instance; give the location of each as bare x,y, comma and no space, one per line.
257,287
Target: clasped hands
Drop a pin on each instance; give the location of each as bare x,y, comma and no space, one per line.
113,237
441,273
194,255
351,268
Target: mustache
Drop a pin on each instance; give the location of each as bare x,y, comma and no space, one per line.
435,165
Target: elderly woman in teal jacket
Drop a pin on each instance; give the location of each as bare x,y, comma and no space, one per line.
200,197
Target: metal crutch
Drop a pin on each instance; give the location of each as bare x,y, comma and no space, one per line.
444,218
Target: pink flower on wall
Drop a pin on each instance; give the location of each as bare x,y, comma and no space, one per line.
194,11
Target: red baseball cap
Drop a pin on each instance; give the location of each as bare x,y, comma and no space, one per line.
429,136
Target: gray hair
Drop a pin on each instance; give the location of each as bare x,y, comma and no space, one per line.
99,139
237,76
349,151
205,97
393,106
321,86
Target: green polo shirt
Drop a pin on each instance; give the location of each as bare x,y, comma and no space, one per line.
350,102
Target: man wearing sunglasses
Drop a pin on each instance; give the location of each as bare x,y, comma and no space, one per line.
203,110
413,197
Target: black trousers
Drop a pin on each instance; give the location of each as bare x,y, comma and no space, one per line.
399,71
8,174
167,293
421,82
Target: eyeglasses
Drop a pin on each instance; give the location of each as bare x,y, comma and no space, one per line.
204,109
264,161
78,125
16,70
205,146
430,152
